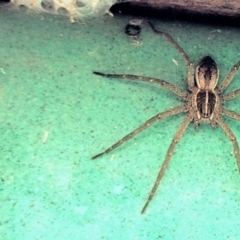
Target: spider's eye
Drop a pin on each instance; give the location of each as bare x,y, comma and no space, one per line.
207,74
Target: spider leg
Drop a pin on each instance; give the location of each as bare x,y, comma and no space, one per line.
232,138
228,79
231,95
177,91
147,124
191,69
231,114
181,129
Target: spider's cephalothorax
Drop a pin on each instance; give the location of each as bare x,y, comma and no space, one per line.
203,103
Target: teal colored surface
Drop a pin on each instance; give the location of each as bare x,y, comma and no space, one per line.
55,114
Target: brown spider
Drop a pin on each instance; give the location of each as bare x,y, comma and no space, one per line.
203,103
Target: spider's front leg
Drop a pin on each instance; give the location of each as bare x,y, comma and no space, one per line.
147,124
181,129
231,137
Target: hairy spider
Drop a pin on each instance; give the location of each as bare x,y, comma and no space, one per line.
203,103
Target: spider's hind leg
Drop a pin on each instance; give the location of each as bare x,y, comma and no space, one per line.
191,69
172,88
228,79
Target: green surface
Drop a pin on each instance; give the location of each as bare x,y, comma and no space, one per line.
50,188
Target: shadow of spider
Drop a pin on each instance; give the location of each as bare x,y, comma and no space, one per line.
203,103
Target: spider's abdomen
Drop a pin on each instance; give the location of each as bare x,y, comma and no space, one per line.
207,74
206,103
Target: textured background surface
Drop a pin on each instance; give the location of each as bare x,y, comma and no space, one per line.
53,190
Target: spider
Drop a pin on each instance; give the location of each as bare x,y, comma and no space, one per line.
203,103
